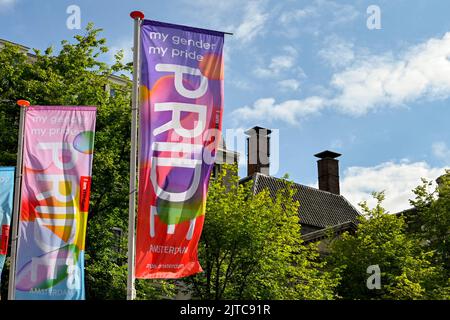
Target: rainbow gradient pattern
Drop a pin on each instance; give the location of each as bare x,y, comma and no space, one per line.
58,151
181,105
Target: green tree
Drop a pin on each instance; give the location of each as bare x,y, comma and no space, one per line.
251,247
76,76
431,220
407,269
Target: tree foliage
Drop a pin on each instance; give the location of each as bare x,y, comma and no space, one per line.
407,268
251,246
431,221
76,76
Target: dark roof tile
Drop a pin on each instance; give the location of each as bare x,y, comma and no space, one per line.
317,208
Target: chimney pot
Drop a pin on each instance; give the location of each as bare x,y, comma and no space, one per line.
328,169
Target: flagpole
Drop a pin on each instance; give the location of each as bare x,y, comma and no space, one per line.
137,16
17,190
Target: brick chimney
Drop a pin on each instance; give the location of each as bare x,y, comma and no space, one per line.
258,150
328,168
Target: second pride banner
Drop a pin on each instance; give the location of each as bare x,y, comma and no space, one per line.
57,165
6,206
181,96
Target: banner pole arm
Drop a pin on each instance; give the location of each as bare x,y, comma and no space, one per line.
137,16
17,190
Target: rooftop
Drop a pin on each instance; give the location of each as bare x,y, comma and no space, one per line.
318,208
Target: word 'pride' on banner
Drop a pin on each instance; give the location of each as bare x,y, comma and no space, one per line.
181,103
6,206
57,165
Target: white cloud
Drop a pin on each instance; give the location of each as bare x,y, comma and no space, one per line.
241,84
282,63
342,13
220,6
289,84
207,13
316,16
371,82
337,52
246,19
279,64
299,14
288,111
397,179
252,23
441,151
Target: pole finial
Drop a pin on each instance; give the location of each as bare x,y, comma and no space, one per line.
137,15
23,103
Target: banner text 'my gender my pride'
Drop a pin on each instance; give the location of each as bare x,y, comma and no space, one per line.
179,41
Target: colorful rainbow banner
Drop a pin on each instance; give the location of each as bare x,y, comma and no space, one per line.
181,96
57,165
6,206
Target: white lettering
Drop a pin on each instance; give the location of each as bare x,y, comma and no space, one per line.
157,50
55,148
179,86
56,181
175,123
158,36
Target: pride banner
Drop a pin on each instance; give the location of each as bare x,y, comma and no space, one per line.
6,206
181,96
57,155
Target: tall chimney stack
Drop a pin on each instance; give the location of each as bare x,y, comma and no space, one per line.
328,168
258,150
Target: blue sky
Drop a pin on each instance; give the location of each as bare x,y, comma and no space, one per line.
312,70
